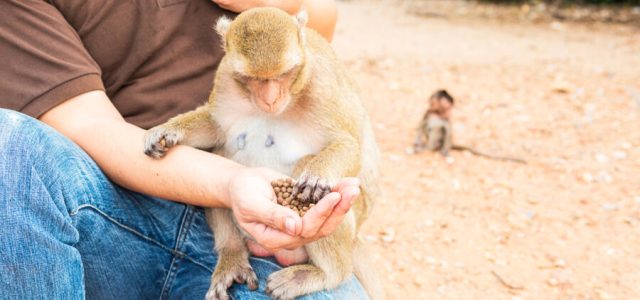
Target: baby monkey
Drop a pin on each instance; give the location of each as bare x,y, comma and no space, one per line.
435,132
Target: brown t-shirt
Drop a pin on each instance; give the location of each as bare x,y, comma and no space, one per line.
154,59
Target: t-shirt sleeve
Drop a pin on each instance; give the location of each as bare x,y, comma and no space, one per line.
43,60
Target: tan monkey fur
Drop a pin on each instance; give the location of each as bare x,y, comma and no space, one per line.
282,81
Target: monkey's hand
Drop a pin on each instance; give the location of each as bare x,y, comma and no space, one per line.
310,188
159,139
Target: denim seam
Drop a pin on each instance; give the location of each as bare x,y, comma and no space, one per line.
183,229
105,215
179,253
171,275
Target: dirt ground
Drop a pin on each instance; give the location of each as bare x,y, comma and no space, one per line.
565,97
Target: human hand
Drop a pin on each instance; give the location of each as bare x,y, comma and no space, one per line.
290,6
276,227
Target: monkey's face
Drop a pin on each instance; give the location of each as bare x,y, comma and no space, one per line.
273,94
265,53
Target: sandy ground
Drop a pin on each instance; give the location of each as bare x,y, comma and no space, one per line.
565,97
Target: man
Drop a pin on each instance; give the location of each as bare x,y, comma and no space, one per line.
81,206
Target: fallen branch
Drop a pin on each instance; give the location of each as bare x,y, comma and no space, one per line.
505,283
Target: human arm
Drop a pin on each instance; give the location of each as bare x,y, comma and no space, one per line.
193,176
322,14
290,6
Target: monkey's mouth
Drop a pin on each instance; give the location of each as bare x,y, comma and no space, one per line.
274,108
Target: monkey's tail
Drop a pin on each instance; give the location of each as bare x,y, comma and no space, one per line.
478,153
365,272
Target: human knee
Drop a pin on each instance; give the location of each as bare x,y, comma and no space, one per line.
323,15
15,129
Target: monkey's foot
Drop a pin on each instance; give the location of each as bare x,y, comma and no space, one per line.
222,280
158,140
295,281
310,189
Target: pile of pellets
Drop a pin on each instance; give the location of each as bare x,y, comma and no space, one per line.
284,192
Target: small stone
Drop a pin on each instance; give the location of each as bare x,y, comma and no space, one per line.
620,154
388,235
394,157
456,184
602,295
601,158
450,160
409,151
587,177
560,263
604,177
610,206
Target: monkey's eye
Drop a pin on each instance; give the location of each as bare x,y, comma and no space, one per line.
243,79
290,72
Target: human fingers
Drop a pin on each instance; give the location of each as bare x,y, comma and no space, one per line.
318,214
346,182
271,239
349,196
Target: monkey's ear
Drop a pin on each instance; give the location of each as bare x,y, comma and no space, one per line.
301,20
222,26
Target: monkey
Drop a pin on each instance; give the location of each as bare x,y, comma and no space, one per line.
281,99
435,128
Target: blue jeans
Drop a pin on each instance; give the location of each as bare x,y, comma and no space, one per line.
67,232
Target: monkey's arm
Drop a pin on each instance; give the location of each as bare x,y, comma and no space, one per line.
195,128
447,143
421,136
317,173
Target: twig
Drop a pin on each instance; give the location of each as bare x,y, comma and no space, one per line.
505,283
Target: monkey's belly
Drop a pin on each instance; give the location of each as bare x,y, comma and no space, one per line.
274,144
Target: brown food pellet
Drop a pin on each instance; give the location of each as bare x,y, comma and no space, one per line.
283,189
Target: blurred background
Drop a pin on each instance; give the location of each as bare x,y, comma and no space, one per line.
556,83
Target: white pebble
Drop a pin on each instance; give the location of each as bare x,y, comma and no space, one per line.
604,177
456,184
620,154
601,158
587,177
450,159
